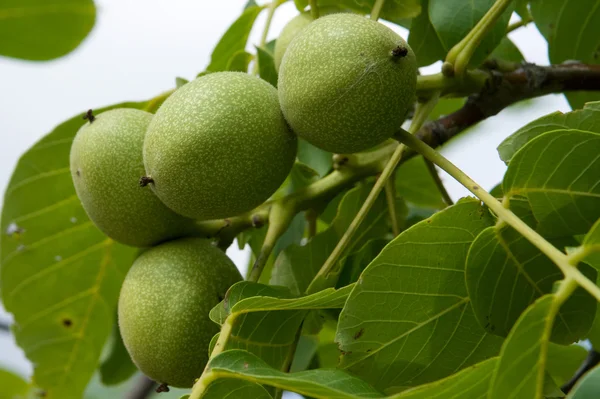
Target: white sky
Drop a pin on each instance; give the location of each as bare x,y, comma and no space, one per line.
136,50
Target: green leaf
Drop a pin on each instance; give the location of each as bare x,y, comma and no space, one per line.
117,367
234,40
505,273
56,251
320,383
446,106
239,62
588,386
13,386
448,22
296,266
247,297
409,313
354,264
563,361
472,383
266,66
231,388
507,51
265,319
572,29
318,159
41,30
305,353
396,11
559,173
415,184
591,242
587,118
424,40
327,299
520,369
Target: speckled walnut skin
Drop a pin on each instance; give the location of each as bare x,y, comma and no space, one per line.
343,85
106,165
164,305
219,146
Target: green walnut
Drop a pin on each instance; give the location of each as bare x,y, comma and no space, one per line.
164,305
106,165
293,28
219,146
346,83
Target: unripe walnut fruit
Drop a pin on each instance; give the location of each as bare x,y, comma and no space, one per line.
106,164
219,146
346,83
164,305
293,28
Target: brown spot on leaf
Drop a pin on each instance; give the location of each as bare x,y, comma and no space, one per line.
67,322
359,333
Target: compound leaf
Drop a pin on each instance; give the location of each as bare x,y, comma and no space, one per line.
409,313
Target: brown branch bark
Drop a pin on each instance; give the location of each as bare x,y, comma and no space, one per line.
504,89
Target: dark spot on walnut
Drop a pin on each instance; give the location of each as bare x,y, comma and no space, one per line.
400,52
145,180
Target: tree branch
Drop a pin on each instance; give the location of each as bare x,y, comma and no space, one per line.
503,89
4,327
590,362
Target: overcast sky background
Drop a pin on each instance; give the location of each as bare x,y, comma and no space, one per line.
136,50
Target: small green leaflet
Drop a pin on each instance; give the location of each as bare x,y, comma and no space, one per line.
266,66
234,40
264,320
415,184
587,118
472,383
592,239
559,173
231,388
505,273
117,367
572,29
409,313
13,386
507,51
42,30
54,250
523,355
443,23
320,383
